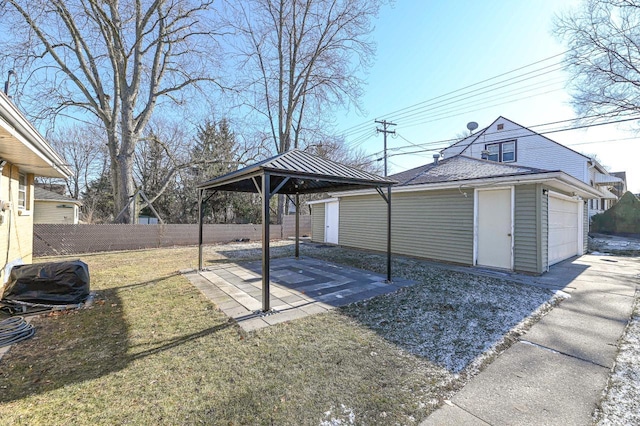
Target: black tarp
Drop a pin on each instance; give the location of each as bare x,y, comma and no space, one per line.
52,283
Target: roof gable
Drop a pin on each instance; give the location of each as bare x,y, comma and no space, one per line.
477,135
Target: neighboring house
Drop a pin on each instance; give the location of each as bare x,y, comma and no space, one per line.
467,211
24,154
507,142
147,220
51,207
619,188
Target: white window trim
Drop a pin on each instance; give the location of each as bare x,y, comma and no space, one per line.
26,191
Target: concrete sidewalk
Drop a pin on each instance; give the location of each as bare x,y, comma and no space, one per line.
557,371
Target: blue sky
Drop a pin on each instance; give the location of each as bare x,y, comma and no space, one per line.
430,48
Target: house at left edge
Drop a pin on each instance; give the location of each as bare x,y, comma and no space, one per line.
24,154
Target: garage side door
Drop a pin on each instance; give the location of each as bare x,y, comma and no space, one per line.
564,228
331,222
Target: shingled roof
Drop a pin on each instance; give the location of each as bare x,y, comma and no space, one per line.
41,194
460,167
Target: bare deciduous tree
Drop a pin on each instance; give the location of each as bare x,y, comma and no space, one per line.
115,60
603,38
299,59
83,147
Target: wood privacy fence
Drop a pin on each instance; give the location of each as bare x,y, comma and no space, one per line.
51,240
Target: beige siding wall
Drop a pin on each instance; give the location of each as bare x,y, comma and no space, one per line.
16,228
527,236
363,222
430,224
317,222
49,212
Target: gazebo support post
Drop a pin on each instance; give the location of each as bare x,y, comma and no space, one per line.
297,226
389,233
266,196
387,199
200,214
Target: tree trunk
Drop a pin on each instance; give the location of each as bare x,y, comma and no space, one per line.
125,188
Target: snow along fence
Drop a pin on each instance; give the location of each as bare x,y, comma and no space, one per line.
58,239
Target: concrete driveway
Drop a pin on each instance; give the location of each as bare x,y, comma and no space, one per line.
557,371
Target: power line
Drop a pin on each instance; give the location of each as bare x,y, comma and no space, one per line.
394,113
506,133
462,103
416,115
421,105
538,133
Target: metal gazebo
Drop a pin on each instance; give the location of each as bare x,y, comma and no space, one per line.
294,172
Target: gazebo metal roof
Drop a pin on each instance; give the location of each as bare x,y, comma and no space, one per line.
307,174
293,172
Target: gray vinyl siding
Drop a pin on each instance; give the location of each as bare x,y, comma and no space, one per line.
527,241
429,224
317,222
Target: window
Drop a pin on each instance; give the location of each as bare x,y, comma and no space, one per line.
503,152
494,152
509,152
22,191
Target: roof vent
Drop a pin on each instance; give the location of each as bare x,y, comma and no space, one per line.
436,157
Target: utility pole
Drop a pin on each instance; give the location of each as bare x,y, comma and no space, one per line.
385,126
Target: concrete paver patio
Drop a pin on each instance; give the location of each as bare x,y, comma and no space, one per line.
299,287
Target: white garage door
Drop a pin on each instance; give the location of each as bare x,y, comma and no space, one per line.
565,228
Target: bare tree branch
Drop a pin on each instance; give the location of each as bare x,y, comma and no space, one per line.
115,59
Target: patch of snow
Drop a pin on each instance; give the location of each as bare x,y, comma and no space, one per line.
621,402
345,416
456,320
562,294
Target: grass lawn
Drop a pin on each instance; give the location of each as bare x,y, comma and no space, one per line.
153,350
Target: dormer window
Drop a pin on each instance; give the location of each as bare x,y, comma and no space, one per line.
502,152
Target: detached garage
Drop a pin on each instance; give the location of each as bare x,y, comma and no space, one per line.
466,211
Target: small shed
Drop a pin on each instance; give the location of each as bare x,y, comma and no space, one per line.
293,173
51,207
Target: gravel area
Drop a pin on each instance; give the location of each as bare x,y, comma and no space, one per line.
613,244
